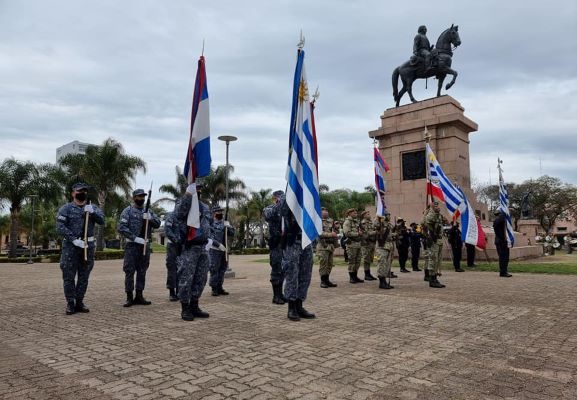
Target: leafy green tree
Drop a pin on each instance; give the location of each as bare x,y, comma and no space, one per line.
106,167
174,191
18,181
340,200
214,191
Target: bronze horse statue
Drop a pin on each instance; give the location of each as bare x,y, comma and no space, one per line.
415,69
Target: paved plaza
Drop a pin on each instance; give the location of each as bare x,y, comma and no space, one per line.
483,337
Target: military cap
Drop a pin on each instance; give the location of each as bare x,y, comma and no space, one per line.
323,208
278,193
400,220
138,192
364,213
80,186
497,212
217,210
350,210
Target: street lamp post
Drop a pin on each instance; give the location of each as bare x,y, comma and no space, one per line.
31,242
227,139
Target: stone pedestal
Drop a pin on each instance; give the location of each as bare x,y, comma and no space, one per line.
401,137
529,228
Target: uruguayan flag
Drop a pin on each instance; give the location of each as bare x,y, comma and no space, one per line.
302,194
504,207
441,187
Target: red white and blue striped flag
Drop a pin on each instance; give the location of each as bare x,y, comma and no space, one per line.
380,168
471,229
198,159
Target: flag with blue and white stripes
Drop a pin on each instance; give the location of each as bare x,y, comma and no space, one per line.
302,194
504,206
440,186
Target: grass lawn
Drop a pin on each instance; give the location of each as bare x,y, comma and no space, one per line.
562,265
158,248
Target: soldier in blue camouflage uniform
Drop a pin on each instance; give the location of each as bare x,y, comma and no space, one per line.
272,216
297,263
131,226
218,263
193,263
70,225
175,235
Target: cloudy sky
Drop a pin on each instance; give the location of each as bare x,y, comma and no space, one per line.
88,70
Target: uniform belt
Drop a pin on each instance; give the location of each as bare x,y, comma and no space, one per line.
132,241
88,239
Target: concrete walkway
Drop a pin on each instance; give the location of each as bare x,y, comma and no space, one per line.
482,337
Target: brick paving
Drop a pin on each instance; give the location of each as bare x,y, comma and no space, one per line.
480,338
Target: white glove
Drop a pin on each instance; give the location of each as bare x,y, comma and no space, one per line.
79,243
139,240
146,215
208,245
227,224
89,208
222,247
191,188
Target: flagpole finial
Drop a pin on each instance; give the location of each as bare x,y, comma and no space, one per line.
426,134
202,52
316,95
301,42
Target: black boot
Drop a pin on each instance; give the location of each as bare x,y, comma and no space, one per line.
70,308
215,291
368,276
427,276
186,313
459,269
277,297
196,311
392,275
330,283
352,277
302,312
139,299
433,282
293,315
324,281
383,284
356,278
129,299
172,295
80,306
403,269
439,283
222,292
417,269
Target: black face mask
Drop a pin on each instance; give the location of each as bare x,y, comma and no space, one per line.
218,216
81,196
139,202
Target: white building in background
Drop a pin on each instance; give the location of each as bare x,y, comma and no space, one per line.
74,147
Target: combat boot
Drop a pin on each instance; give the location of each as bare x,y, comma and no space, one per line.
222,292
392,275
196,311
427,276
404,269
277,297
70,308
186,313
80,306
172,295
330,283
439,283
293,315
129,300
459,269
302,312
215,291
139,299
356,278
383,284
433,282
352,277
417,269
324,281
368,276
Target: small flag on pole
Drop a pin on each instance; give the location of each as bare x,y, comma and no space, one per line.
504,206
380,168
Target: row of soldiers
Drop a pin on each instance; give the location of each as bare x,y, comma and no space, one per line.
191,252
364,237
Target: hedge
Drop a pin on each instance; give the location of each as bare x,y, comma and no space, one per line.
100,255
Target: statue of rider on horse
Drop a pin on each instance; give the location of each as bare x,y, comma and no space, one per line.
427,61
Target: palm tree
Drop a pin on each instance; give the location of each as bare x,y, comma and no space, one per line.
106,167
175,191
18,181
214,191
257,202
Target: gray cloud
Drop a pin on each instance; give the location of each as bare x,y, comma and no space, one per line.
85,71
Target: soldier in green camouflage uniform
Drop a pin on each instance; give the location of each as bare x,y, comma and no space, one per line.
326,248
352,232
368,240
433,230
385,238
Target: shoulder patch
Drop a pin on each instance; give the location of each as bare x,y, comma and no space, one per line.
61,217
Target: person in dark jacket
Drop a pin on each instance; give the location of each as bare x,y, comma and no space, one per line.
403,243
500,228
415,237
456,243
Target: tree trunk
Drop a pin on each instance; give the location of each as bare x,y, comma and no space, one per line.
14,230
